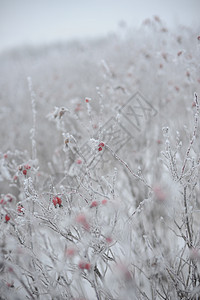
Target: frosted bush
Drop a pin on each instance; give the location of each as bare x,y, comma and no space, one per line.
93,207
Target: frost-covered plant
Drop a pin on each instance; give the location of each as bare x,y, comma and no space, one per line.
85,215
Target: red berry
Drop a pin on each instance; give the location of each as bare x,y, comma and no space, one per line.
15,178
79,161
24,172
59,201
87,266
10,269
7,218
81,265
20,209
101,145
2,201
55,202
9,198
10,285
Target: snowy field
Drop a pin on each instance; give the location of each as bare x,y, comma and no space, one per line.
99,167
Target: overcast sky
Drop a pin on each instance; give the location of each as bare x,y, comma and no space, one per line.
35,22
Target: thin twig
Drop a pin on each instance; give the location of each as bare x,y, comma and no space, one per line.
128,168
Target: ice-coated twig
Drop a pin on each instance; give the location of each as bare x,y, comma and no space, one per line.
127,167
196,117
34,112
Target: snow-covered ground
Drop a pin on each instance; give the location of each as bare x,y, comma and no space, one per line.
99,167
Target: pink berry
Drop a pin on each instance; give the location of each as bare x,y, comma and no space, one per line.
159,193
79,161
83,266
188,74
94,204
7,218
109,240
27,167
104,201
70,252
81,219
177,88
78,107
157,19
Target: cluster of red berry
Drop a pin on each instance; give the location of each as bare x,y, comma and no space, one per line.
24,169
7,218
101,145
95,203
57,201
7,198
20,209
84,266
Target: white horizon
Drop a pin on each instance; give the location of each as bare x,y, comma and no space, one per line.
34,23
